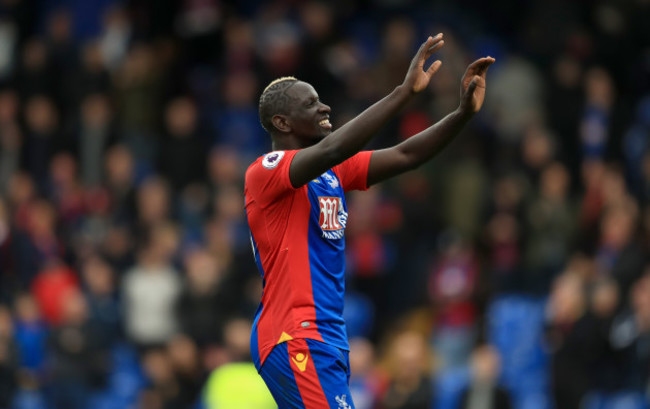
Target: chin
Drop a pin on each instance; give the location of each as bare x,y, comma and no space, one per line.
320,136
317,137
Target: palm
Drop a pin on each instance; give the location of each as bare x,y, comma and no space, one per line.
421,82
478,96
473,84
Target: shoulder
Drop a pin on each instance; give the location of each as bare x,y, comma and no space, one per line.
269,174
272,160
269,161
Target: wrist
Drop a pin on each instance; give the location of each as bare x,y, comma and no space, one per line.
464,113
404,91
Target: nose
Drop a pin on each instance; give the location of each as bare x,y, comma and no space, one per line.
324,108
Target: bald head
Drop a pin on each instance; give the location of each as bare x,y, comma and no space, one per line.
275,100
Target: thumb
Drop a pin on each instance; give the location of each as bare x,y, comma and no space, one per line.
434,67
472,85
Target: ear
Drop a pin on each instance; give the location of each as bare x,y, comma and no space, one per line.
280,123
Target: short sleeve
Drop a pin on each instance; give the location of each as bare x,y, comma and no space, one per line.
268,177
353,172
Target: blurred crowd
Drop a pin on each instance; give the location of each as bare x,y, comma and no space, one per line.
511,272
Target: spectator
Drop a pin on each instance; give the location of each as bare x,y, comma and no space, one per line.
619,255
67,192
116,33
89,76
11,137
31,335
206,300
35,76
550,228
79,361
409,373
54,283
629,332
595,124
365,379
100,290
237,121
452,289
138,89
42,138
567,336
8,358
182,155
153,203
17,264
119,170
463,191
150,289
95,135
484,390
164,390
184,356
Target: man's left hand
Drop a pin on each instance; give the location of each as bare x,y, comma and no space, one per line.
472,87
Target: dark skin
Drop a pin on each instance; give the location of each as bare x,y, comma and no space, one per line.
306,130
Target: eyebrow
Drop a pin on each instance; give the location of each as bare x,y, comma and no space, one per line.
309,99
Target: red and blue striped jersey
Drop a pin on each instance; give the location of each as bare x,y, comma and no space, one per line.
298,242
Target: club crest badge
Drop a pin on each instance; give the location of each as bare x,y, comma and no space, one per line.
331,180
341,400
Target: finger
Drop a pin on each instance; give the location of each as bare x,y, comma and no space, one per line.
419,57
480,66
424,46
485,64
434,67
431,42
474,66
437,37
435,47
484,61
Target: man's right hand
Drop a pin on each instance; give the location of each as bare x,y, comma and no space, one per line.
417,78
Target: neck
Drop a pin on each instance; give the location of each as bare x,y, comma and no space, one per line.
289,142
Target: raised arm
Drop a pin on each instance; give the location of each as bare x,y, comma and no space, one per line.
346,141
425,145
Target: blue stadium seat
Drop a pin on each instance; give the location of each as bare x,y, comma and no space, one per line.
359,314
124,381
621,400
27,399
449,385
515,326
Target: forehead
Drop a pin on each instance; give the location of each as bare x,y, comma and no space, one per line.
302,90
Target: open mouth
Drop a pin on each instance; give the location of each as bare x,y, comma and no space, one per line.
325,123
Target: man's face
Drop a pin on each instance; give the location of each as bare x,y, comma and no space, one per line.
308,116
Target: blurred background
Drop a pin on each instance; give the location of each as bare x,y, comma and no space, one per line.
513,271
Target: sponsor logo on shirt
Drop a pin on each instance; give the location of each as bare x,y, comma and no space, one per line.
272,159
301,361
333,217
